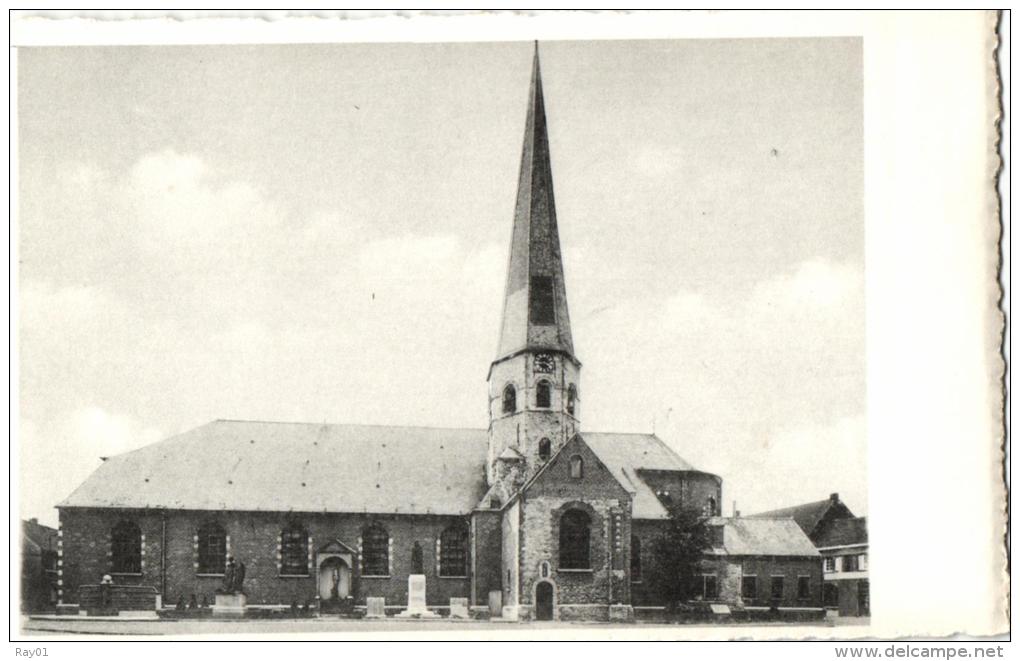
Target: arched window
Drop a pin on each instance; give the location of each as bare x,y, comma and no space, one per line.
509,398
575,540
635,559
453,545
710,507
544,449
212,549
571,399
543,395
576,467
375,551
294,550
126,542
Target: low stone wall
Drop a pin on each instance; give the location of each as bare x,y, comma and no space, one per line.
119,598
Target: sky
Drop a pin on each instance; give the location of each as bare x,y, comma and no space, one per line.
320,233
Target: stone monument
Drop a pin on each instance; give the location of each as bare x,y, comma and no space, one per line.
230,599
459,608
376,607
416,598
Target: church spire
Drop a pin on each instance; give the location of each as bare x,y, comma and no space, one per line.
535,305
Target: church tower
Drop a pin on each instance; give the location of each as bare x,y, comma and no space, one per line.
533,382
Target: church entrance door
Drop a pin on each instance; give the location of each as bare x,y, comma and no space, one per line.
544,601
334,579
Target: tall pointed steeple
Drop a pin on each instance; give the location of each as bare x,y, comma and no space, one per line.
535,314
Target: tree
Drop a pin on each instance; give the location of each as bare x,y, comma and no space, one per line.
678,553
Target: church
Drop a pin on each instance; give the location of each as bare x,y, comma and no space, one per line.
532,513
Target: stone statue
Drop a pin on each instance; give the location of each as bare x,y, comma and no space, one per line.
233,577
228,577
238,585
334,591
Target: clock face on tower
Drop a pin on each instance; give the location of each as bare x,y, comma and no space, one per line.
544,362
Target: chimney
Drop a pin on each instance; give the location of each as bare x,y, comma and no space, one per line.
834,497
34,521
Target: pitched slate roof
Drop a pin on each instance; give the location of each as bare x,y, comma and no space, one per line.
808,515
271,466
843,532
308,467
625,454
757,536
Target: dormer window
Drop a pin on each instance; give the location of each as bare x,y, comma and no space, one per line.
509,399
543,395
544,449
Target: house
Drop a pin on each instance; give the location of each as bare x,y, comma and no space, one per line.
842,540
39,545
844,548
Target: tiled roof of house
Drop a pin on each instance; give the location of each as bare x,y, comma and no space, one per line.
36,537
758,536
308,467
843,532
808,515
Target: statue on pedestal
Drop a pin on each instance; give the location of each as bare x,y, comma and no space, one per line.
233,577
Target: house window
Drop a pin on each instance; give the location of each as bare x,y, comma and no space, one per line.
849,563
453,551
542,310
710,507
576,467
777,588
575,540
543,396
509,399
127,548
544,449
635,559
803,588
749,588
212,549
571,399
711,587
862,562
829,564
294,550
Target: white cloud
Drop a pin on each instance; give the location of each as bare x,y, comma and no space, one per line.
758,389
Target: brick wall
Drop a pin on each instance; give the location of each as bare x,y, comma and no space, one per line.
486,540
790,569
253,540
690,488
